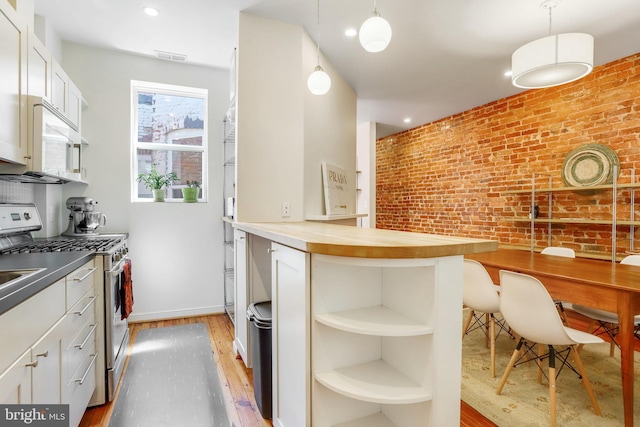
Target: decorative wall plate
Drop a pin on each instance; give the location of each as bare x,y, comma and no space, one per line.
589,165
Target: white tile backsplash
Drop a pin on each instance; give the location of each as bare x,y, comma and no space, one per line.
16,192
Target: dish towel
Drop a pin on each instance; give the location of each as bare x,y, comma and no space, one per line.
126,291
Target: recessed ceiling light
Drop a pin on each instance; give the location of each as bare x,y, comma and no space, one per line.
407,120
151,11
350,32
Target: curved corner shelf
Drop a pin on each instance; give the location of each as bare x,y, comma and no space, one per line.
378,320
375,382
375,420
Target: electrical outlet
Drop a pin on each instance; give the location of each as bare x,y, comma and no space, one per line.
286,210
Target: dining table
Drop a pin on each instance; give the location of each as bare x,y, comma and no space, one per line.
594,283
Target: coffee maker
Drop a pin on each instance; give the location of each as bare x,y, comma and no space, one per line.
83,219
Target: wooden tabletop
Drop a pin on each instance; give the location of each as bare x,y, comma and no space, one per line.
587,271
342,240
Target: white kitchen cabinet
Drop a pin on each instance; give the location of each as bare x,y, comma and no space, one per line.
15,382
13,85
79,347
242,296
74,104
56,349
291,340
59,87
376,356
46,357
39,68
364,324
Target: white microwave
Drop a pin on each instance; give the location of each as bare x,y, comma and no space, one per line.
53,150
54,142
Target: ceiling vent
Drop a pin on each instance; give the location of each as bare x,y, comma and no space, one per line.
169,56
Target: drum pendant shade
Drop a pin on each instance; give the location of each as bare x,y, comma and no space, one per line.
552,60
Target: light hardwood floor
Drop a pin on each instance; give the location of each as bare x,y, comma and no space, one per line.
236,380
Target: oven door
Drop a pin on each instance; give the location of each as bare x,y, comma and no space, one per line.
117,329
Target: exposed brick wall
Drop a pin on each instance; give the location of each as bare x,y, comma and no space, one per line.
448,177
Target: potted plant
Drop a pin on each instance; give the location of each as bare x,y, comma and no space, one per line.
156,182
190,192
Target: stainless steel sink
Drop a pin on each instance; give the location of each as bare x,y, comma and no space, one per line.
9,277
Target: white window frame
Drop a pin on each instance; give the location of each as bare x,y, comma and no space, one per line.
138,86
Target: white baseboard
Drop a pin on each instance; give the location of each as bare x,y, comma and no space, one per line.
174,314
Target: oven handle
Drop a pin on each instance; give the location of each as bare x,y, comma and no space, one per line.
119,267
75,279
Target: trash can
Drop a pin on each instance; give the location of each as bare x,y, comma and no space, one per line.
259,315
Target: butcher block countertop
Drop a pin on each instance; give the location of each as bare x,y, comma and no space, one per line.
348,241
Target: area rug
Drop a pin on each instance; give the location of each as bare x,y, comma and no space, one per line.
171,380
525,402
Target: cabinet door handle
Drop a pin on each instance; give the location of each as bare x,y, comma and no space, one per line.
84,377
81,312
269,250
84,342
35,363
75,279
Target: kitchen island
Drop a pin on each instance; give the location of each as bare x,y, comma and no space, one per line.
366,322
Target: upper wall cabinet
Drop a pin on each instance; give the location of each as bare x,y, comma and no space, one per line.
65,95
39,65
59,87
13,85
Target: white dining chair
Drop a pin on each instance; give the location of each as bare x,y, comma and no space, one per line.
567,253
606,322
531,313
480,296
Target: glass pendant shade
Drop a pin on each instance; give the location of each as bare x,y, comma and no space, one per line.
375,33
319,82
552,61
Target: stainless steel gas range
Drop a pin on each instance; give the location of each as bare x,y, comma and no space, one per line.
111,256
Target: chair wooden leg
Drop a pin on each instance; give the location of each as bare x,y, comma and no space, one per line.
492,331
552,386
540,352
612,348
467,323
487,320
514,357
585,380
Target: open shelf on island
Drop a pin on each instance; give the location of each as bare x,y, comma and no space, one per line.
375,420
377,320
376,382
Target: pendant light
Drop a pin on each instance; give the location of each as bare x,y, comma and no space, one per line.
319,82
375,32
552,60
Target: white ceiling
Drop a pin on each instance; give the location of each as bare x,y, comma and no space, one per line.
446,56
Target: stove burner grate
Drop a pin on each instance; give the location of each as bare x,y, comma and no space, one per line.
64,245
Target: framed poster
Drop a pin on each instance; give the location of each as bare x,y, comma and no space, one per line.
337,189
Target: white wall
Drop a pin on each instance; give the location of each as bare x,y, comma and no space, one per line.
285,132
366,152
176,248
269,120
329,130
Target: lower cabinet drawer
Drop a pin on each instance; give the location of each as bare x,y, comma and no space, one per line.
79,389
76,351
80,282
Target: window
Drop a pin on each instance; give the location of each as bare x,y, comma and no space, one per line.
168,130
